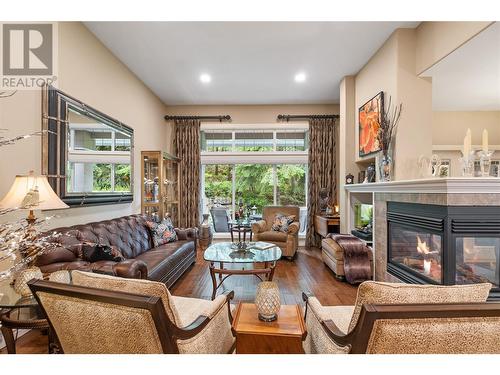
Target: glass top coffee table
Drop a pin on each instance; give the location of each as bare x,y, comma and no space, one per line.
228,252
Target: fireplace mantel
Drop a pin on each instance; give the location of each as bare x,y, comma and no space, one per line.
449,185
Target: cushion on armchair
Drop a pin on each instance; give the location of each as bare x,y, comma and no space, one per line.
281,222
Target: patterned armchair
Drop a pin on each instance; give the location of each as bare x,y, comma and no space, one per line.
406,319
288,241
106,314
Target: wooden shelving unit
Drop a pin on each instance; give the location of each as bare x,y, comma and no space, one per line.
160,185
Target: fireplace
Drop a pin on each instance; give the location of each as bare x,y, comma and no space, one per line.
444,245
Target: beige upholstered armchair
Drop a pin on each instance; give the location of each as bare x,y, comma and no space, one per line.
106,314
287,241
405,319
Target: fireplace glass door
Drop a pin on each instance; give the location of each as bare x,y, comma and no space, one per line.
417,250
477,260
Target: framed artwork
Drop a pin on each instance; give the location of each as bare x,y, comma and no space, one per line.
369,124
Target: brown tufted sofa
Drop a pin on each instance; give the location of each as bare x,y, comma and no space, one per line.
132,237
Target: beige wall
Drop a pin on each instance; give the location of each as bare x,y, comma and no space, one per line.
435,40
91,73
448,128
392,70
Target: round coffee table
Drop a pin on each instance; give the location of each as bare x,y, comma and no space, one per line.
11,301
228,252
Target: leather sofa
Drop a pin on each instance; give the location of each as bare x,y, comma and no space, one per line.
132,237
289,241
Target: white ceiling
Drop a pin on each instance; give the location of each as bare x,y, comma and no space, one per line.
249,62
469,78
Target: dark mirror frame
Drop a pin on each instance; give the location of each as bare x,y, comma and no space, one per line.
55,106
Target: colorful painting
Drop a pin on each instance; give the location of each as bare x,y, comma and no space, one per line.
369,124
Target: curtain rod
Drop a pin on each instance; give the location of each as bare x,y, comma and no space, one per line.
305,117
216,118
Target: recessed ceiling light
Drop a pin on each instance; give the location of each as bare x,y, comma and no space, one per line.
205,78
300,77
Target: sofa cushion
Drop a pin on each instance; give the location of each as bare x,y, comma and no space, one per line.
162,232
373,292
272,236
96,252
162,259
281,222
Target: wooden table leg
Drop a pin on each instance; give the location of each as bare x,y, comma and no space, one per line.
221,266
271,274
214,280
8,336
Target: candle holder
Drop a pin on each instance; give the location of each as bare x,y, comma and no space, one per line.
485,162
467,162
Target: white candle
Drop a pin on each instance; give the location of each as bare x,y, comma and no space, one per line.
468,138
466,148
485,141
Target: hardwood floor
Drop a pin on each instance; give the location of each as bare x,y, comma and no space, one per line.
306,273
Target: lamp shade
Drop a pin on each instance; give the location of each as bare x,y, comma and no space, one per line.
32,193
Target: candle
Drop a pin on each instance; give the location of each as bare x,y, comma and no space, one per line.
485,141
466,150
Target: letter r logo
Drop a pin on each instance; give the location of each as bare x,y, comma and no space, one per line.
27,49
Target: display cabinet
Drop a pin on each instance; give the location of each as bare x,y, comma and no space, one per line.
160,185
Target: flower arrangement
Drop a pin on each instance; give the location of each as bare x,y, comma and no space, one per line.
389,119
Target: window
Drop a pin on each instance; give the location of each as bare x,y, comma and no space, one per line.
254,166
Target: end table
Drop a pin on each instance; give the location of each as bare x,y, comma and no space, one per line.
282,336
10,300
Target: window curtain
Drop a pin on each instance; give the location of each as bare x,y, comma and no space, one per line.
187,146
322,170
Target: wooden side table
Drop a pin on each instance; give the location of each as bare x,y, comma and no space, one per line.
283,336
326,224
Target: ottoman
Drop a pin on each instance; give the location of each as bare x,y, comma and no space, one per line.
333,256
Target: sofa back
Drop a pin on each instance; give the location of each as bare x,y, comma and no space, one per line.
128,233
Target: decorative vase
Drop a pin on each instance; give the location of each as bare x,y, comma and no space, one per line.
485,162
206,235
385,165
21,282
267,301
467,161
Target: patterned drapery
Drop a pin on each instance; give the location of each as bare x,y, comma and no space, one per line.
322,170
187,146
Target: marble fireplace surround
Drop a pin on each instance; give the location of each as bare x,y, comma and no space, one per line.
453,191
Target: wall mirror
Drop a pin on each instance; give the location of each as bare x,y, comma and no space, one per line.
87,155
466,95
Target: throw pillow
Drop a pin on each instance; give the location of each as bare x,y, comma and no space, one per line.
92,252
162,232
281,222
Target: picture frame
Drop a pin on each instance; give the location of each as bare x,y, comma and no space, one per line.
369,117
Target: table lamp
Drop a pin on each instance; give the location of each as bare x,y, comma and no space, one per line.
30,192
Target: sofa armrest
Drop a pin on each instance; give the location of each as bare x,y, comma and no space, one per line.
294,228
259,226
128,268
187,234
131,269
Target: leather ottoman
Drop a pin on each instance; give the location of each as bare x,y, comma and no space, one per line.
333,256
